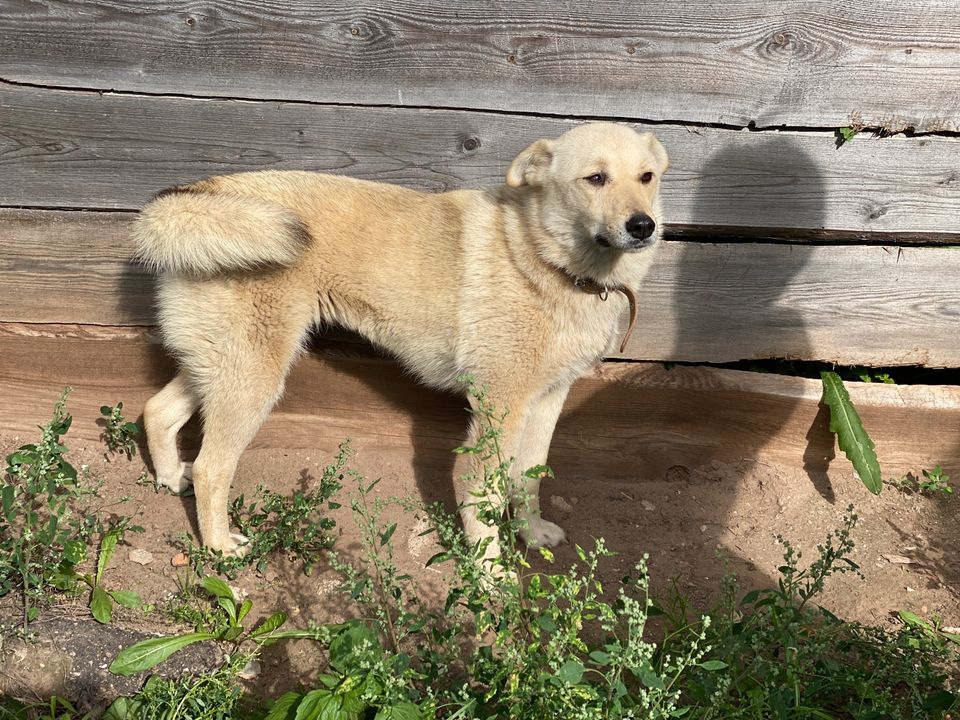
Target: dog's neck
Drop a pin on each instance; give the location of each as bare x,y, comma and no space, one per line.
592,287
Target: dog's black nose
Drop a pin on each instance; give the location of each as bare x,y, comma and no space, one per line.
641,226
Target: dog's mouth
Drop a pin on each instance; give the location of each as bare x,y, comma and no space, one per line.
633,245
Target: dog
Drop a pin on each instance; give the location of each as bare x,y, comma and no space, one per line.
516,285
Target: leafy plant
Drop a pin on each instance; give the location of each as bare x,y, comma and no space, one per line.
53,708
932,482
541,644
41,539
846,134
852,437
118,433
786,658
102,599
273,522
935,481
208,696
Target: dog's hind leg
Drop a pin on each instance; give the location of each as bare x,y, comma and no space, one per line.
163,416
534,445
236,399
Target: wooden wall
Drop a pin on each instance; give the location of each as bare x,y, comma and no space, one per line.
782,245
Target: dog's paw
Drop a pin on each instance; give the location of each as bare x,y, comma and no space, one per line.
234,545
239,545
542,533
179,482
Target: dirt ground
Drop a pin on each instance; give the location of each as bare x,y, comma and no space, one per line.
686,520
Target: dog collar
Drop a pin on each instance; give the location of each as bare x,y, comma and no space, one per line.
592,287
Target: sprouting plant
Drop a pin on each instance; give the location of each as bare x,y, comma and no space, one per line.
931,482
786,657
212,696
294,525
101,598
935,481
42,539
118,433
846,134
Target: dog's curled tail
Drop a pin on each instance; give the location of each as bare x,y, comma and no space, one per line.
190,231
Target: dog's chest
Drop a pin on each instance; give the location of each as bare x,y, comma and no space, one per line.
586,331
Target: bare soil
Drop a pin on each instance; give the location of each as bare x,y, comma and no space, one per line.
690,521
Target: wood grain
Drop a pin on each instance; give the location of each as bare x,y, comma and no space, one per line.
701,302
624,422
816,64
77,150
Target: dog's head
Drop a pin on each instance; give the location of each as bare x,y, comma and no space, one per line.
599,186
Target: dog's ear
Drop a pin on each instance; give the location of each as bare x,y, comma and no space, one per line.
658,151
529,166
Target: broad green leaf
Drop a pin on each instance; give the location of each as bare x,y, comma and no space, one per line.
101,605
127,598
108,546
318,704
713,665
216,586
149,653
400,711
570,672
851,435
284,707
270,624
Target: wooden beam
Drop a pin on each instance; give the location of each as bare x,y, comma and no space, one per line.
625,421
86,150
701,302
798,62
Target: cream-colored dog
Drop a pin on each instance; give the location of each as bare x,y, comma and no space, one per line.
514,285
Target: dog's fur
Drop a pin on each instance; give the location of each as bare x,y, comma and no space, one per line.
472,281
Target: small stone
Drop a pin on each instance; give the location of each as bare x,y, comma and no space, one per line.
703,528
909,589
560,504
250,670
140,557
898,559
180,560
648,506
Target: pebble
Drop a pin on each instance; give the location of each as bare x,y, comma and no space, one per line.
648,506
141,557
250,670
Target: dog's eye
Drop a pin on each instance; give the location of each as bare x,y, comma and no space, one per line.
646,177
597,179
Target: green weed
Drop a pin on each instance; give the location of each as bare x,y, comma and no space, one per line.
272,522
207,696
930,482
118,433
786,658
102,599
41,539
512,642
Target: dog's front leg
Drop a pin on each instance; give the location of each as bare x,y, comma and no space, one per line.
534,445
478,493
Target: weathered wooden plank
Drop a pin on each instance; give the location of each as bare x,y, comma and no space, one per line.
624,422
701,302
66,149
800,63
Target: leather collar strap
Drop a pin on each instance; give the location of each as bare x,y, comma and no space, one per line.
592,287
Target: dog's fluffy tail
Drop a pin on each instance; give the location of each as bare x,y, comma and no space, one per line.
189,230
